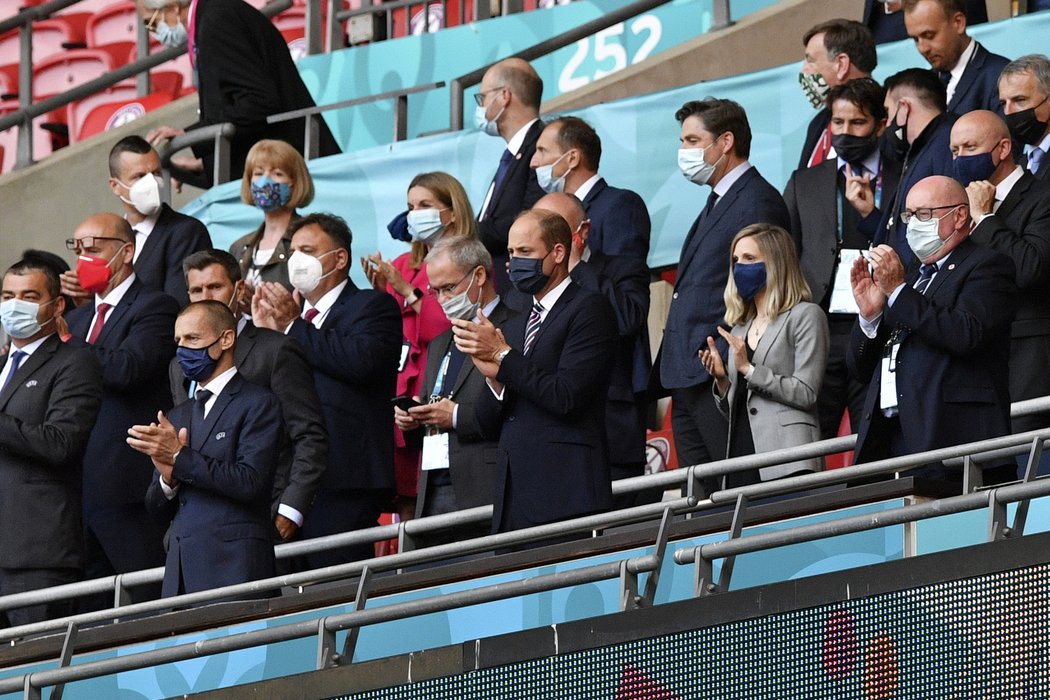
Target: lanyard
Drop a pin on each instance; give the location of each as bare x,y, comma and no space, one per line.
439,382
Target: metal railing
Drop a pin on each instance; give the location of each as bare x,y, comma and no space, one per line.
626,569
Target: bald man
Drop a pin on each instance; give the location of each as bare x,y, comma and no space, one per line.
508,106
1011,210
936,344
624,282
129,329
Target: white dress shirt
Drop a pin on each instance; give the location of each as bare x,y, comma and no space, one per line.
960,68
142,231
585,189
514,146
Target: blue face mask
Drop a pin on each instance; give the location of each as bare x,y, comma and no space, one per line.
398,228
171,36
975,168
750,279
527,275
425,225
18,317
546,180
197,363
487,126
269,195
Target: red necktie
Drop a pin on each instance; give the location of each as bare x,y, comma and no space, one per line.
100,320
310,315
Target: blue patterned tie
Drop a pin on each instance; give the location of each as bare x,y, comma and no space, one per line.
925,275
16,361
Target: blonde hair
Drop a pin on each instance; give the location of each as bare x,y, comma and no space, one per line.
451,194
279,154
785,285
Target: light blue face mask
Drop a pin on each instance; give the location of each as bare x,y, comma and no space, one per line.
487,126
424,225
171,36
545,176
18,317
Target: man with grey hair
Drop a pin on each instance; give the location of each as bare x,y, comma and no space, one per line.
244,74
459,463
1024,93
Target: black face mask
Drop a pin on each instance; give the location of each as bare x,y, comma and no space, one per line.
854,149
897,137
1025,127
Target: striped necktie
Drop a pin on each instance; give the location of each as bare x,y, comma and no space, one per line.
533,326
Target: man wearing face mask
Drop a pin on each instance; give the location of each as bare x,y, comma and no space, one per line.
837,51
214,458
829,205
918,135
567,157
716,143
508,106
548,374
352,338
935,344
624,282
163,236
50,393
1011,210
276,362
459,460
244,74
128,328
1024,93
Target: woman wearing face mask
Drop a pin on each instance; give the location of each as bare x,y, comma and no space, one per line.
437,207
778,348
276,181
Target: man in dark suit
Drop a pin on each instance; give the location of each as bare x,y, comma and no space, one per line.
837,51
1024,93
547,384
936,344
624,282
509,106
918,135
969,71
567,157
716,142
458,269
886,20
827,204
276,362
352,338
1011,210
128,328
163,236
50,394
215,458
244,75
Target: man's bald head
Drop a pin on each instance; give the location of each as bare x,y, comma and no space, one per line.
935,191
984,122
107,225
521,79
980,132
564,205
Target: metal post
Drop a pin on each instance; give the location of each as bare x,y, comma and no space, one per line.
482,9
1021,515
333,40
120,593
363,585
653,580
513,7
720,18
401,118
703,575
997,529
28,691
222,160
142,80
312,143
455,97
628,588
313,27
165,188
972,476
737,527
326,656
25,95
68,643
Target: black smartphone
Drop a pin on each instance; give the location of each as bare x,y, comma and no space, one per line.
405,402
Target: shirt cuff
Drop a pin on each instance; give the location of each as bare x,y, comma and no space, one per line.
290,513
169,491
870,328
749,373
893,296
982,217
288,328
455,415
499,396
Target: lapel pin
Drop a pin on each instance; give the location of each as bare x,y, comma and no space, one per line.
220,436
952,266
31,383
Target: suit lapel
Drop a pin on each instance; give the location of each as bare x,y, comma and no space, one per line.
723,205
224,399
28,366
598,188
769,336
969,76
245,344
117,312
1016,195
154,241
563,301
956,259
497,192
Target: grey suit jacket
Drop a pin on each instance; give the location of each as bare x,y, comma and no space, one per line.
47,411
782,392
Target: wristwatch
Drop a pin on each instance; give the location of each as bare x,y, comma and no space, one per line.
416,295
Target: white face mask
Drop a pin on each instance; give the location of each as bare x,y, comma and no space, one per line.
144,194
460,306
545,176
171,36
305,271
923,236
18,317
487,126
692,164
425,225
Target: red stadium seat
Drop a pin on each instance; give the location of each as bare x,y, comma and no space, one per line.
113,23
71,68
111,115
77,112
9,47
42,139
8,81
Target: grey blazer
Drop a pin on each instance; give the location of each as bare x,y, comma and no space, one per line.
782,392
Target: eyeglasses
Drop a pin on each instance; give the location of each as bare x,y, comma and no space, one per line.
78,244
449,289
479,96
151,23
926,213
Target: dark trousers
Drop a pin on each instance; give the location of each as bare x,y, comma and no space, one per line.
700,431
117,541
22,580
343,511
839,390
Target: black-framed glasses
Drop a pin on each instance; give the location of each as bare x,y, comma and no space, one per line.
449,289
926,213
88,242
479,96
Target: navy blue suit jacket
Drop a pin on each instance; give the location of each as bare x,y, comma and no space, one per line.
886,28
953,364
552,459
930,154
619,221
220,515
703,268
174,236
354,356
134,348
978,86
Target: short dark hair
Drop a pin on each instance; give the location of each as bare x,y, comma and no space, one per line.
928,88
573,132
851,38
218,315
526,85
129,144
865,93
335,226
950,7
39,261
720,116
554,228
213,256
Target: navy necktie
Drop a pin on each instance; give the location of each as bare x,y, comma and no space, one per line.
925,275
200,400
16,361
945,77
712,199
501,172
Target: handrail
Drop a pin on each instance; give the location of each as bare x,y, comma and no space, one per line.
28,15
219,133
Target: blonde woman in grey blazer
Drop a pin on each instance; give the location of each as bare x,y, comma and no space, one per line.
778,347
